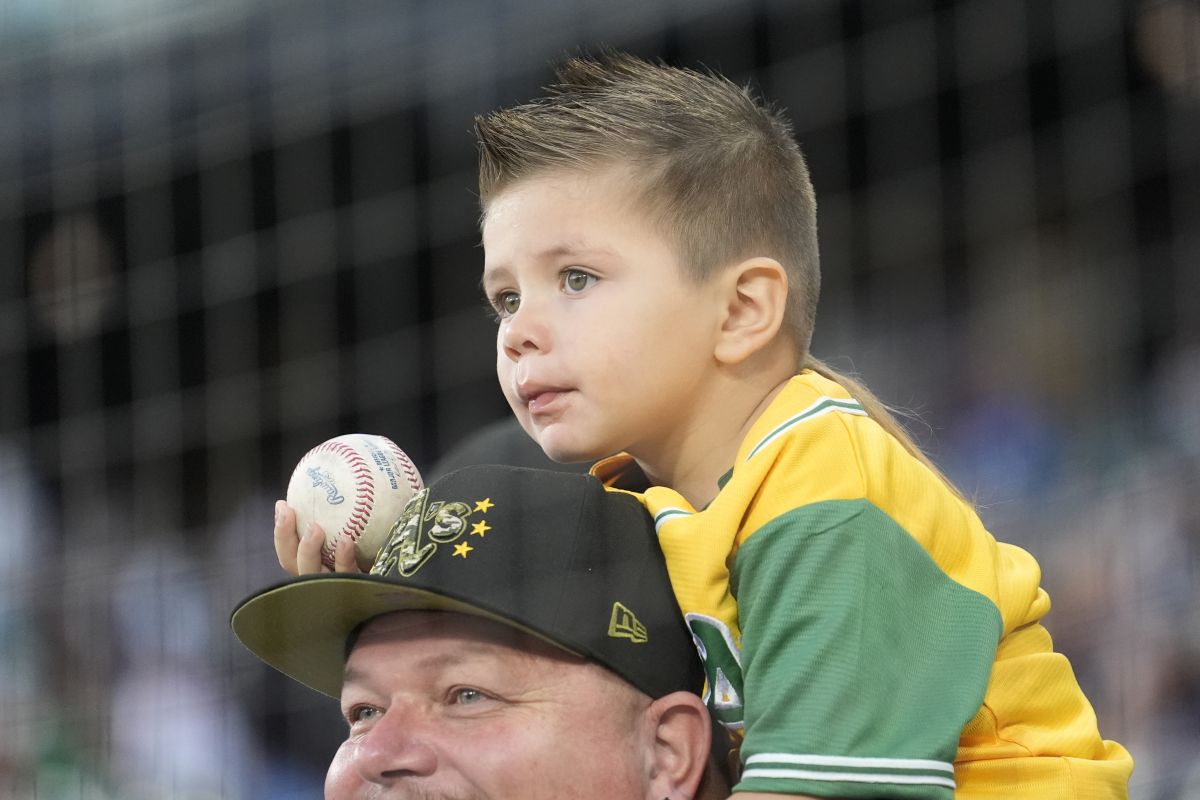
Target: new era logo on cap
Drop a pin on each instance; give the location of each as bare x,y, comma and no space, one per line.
624,625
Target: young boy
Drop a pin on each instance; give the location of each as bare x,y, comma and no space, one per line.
651,255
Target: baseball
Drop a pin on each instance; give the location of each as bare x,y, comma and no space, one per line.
354,486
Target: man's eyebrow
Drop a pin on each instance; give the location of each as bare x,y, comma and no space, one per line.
441,660
351,675
466,653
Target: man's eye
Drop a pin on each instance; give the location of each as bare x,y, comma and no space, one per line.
468,696
576,280
359,714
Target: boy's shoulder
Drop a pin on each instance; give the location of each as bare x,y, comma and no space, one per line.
800,417
806,400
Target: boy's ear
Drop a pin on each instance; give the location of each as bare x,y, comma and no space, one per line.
755,300
680,754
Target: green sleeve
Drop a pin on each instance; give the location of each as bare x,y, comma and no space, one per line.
862,659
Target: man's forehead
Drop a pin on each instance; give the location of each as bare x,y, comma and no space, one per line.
401,621
471,634
432,642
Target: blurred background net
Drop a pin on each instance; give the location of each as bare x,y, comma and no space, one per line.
230,230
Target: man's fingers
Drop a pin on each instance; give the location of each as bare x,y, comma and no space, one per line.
286,537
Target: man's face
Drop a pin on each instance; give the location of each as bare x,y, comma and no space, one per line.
602,340
443,706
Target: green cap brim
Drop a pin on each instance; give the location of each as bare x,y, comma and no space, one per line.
301,626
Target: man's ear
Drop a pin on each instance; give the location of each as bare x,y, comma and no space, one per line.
755,296
680,753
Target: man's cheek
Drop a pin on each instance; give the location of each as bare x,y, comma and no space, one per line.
341,779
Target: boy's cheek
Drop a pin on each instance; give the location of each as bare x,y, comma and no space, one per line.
504,364
504,376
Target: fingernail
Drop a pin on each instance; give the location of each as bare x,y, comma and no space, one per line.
278,511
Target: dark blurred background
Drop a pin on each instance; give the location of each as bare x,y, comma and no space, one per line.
231,230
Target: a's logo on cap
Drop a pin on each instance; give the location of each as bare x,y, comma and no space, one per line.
624,625
424,525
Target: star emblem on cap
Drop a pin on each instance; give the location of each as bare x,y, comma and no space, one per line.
480,528
462,548
484,504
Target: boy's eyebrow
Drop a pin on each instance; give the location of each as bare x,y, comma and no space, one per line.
491,275
559,250
572,249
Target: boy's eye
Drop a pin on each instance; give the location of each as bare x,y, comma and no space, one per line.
507,303
576,280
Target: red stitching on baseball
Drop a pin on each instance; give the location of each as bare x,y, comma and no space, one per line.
410,469
327,554
364,484
362,471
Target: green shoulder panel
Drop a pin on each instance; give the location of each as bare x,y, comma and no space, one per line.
861,659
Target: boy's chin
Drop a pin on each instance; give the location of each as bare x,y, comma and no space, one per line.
568,452
571,456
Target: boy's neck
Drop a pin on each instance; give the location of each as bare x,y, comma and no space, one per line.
699,453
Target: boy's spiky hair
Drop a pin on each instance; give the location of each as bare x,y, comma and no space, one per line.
718,170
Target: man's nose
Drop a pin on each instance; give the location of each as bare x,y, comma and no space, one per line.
396,748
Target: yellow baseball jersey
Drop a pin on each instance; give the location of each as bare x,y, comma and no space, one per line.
862,630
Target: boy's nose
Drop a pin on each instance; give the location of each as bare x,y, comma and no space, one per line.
522,334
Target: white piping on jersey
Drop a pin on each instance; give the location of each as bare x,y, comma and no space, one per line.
823,406
865,762
928,765
848,777
670,512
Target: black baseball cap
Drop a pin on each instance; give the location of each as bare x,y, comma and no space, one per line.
553,554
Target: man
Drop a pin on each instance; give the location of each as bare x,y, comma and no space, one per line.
517,638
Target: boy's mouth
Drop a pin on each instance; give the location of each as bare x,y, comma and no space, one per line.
539,399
